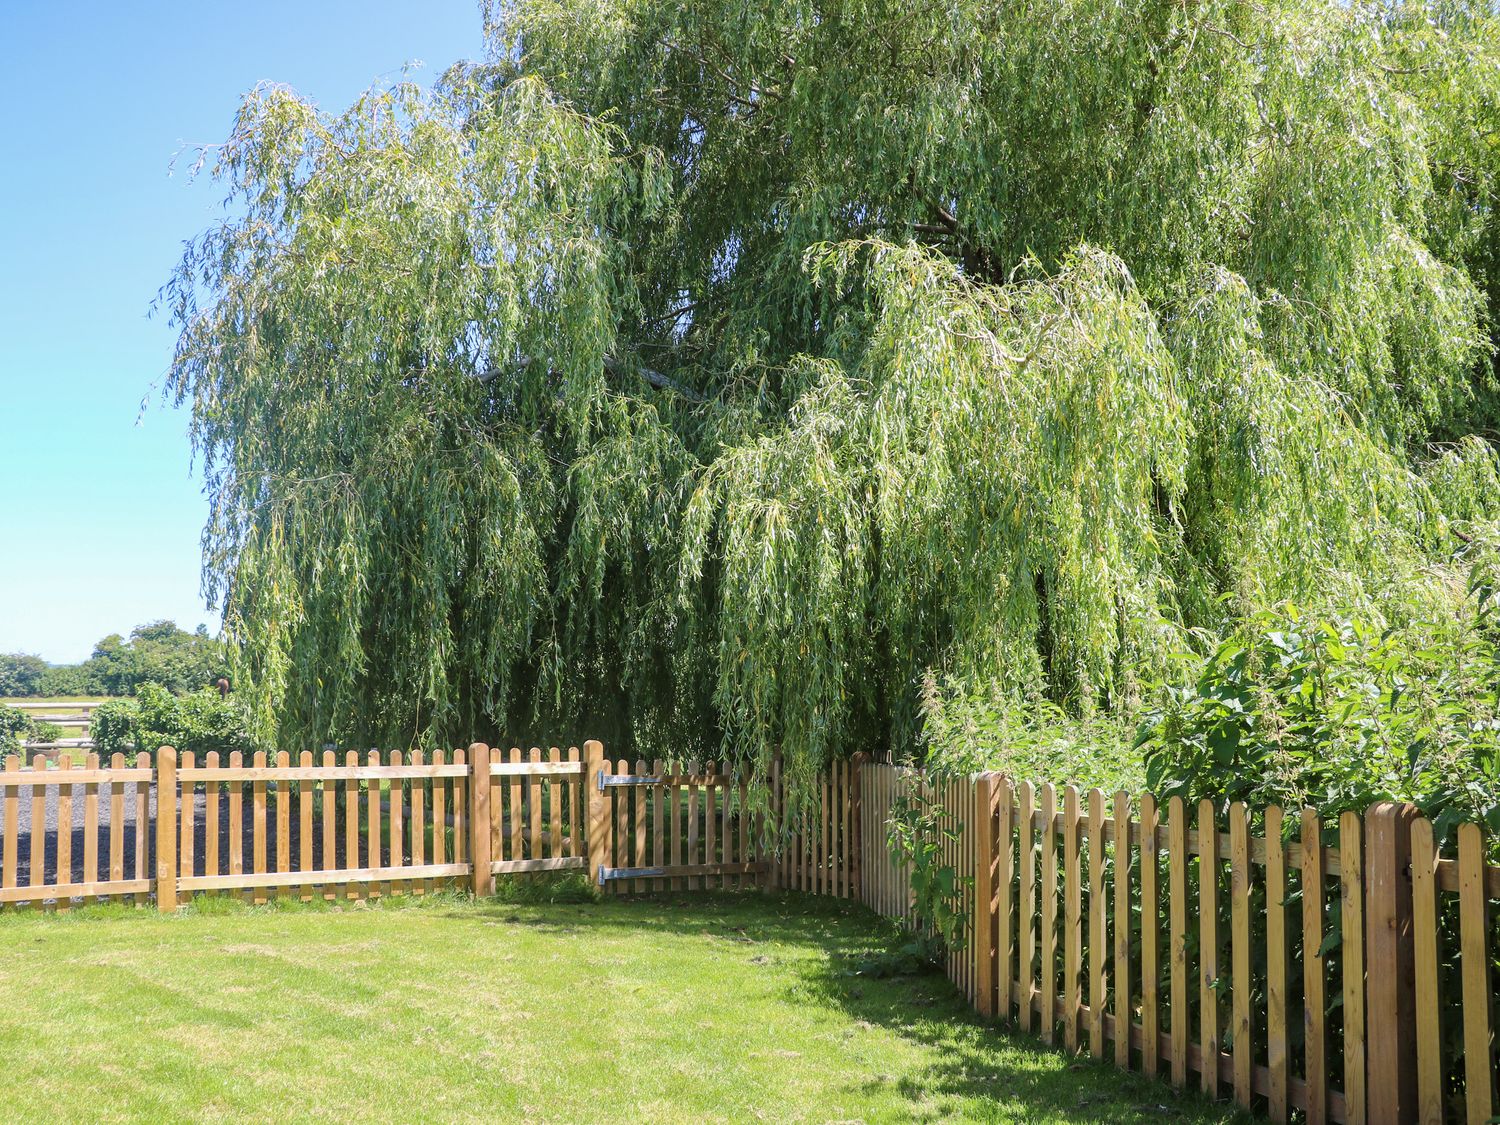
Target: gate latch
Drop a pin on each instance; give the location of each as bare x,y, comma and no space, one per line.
625,779
609,874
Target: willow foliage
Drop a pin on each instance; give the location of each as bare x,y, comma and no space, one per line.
710,377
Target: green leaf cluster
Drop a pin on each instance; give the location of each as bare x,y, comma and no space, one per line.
707,377
199,722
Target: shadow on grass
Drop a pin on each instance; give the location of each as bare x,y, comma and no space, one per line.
970,1060
819,945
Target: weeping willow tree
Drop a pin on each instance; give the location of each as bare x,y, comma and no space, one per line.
705,377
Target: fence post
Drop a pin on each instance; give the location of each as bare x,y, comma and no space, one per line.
856,851
598,838
984,894
479,820
1390,999
166,830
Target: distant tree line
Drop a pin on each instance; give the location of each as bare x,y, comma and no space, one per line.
155,653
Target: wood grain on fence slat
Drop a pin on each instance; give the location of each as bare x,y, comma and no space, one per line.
236,819
417,837
639,800
710,821
373,857
1352,946
328,859
1177,860
1098,951
1005,933
575,816
351,824
1072,918
621,849
846,775
439,813
91,825
142,790
1121,985
1239,951
39,816
283,823
1049,913
661,828
693,854
677,831
726,840
13,827
305,825
211,817
459,802
396,816
186,763
533,805
1313,969
64,832
1150,939
258,828
1208,949
117,822
1474,954
1027,926
555,807
1277,1051
1428,1007
513,810
166,830
984,896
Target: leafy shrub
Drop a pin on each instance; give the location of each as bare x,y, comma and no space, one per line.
968,727
199,722
1296,709
15,729
21,674
112,726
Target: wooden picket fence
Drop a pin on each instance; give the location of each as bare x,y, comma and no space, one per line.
1295,965
357,825
1340,972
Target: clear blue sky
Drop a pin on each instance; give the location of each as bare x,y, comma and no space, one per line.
100,514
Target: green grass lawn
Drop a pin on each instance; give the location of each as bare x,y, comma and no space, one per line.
705,1009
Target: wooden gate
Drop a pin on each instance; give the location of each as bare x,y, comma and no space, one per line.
653,829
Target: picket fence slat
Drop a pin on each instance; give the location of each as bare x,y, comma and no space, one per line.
1277,1059
1473,908
1240,953
1351,900
1424,905
1177,881
1313,970
1121,985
